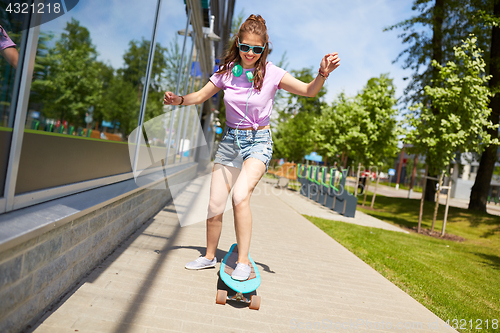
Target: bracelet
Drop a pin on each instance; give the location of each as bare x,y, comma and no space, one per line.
323,74
182,100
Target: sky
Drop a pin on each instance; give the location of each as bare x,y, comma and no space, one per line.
306,30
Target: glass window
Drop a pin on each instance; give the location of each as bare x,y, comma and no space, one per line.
169,129
86,93
191,125
12,31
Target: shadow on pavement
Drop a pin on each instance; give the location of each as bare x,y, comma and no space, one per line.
133,308
219,254
135,303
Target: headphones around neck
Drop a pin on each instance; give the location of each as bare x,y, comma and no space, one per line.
238,70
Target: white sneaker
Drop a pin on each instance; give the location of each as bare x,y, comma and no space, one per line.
242,272
201,263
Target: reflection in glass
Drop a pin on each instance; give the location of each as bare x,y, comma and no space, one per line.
187,136
11,26
152,150
12,32
88,83
173,136
90,71
180,77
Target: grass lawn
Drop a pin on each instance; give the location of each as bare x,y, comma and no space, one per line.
455,280
393,184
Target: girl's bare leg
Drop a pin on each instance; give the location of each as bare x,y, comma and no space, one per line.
252,171
223,178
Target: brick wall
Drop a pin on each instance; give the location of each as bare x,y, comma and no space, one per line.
38,272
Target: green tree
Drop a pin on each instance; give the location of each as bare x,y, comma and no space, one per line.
431,35
136,59
337,130
298,103
378,100
172,58
69,83
295,136
461,97
105,75
480,190
120,103
363,128
163,72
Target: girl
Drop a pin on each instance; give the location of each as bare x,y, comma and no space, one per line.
250,84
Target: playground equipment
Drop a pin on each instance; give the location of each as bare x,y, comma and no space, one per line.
343,202
314,185
323,187
301,175
305,190
318,180
331,190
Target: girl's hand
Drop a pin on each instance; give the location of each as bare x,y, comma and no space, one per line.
329,63
171,99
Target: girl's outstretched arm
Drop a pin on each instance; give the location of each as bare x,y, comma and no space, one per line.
11,55
196,97
329,62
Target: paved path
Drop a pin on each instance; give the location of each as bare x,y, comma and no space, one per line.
387,191
308,281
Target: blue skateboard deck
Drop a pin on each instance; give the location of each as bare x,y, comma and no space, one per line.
227,267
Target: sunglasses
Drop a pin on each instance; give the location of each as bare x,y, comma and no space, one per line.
246,48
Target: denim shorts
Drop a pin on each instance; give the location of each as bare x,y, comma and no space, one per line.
234,150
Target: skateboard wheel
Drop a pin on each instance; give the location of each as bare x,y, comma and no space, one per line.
254,302
221,297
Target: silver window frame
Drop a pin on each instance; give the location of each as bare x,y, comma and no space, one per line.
21,111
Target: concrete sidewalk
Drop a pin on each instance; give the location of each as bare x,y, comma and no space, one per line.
309,282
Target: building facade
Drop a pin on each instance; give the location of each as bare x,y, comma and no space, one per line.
463,175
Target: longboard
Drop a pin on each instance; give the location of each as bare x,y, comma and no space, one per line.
227,266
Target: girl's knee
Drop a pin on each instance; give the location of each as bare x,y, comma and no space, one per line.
216,207
240,198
